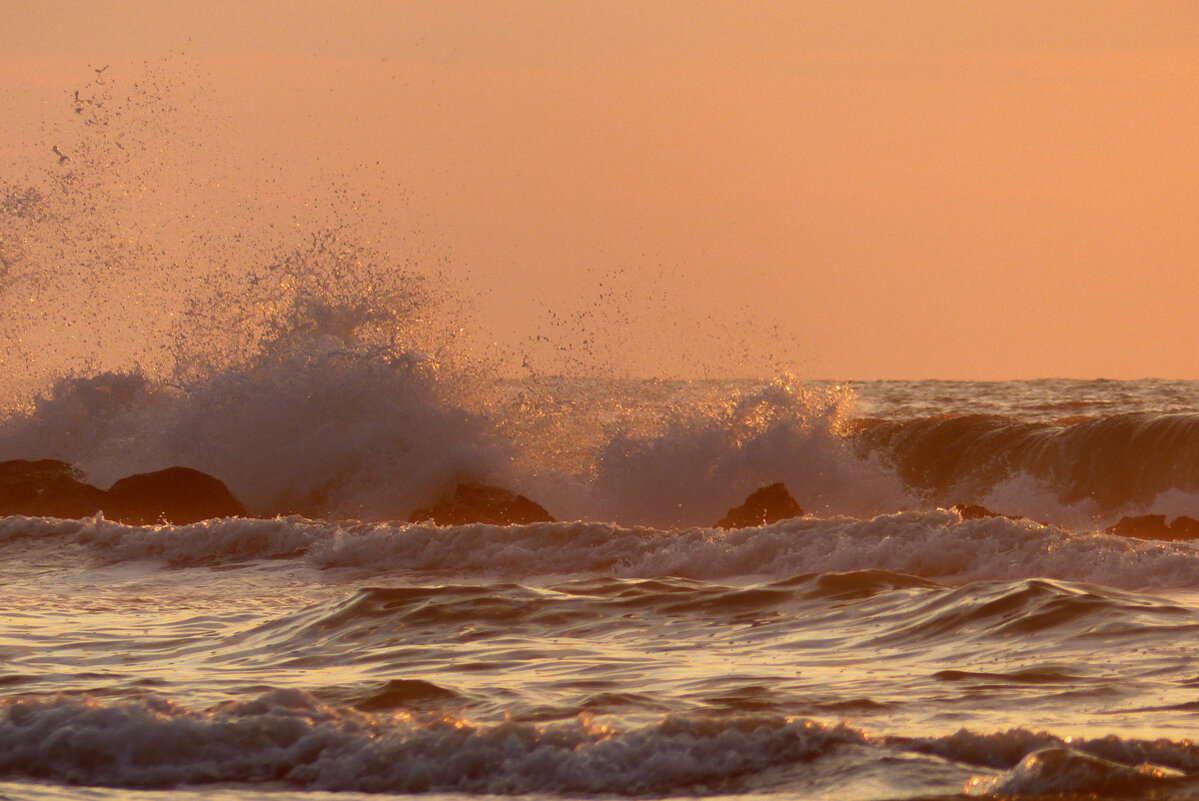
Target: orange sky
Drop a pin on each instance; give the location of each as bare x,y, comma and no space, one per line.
847,190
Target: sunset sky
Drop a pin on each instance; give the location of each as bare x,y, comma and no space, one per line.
851,190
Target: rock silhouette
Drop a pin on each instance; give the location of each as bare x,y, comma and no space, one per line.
52,488
972,511
46,488
177,495
482,503
765,505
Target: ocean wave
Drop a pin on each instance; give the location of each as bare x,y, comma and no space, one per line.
864,612
322,432
210,542
1020,609
289,739
332,429
938,545
15,528
1037,764
698,462
1113,462
1058,771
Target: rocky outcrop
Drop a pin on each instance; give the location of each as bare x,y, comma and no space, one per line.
50,488
763,506
46,488
972,511
177,495
481,503
1155,527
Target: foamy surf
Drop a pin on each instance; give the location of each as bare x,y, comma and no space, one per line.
290,740
937,545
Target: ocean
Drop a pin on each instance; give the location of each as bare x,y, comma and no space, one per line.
881,646
890,642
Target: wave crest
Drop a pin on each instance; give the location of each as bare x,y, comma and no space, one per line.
288,737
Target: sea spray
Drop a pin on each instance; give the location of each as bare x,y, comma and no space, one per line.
310,352
303,352
105,270
701,460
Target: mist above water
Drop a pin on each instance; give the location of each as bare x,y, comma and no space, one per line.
163,300
158,309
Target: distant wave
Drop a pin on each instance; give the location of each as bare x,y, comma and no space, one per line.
1112,463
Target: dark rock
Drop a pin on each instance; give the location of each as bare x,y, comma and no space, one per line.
22,481
480,503
50,488
971,511
175,495
766,505
47,488
1154,527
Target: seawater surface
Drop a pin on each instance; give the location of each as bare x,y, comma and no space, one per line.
880,646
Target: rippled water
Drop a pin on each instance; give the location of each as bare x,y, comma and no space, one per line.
899,655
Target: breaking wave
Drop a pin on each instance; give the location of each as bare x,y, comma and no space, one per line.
1112,462
938,545
290,739
310,353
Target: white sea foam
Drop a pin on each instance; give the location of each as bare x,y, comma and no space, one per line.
938,544
17,528
1174,503
333,429
699,464
288,737
1038,499
208,542
325,433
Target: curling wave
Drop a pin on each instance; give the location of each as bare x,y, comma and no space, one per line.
1114,462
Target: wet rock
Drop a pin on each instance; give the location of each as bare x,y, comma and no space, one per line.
51,488
481,503
47,488
972,511
763,506
22,481
1155,527
177,495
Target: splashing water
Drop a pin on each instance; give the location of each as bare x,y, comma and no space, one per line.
314,361
311,353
